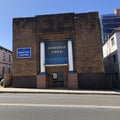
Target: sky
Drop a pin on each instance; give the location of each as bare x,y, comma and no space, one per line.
10,9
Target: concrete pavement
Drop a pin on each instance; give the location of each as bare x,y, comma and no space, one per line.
58,91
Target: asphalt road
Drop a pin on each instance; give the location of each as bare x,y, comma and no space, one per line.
59,107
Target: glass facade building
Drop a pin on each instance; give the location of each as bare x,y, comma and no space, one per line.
108,23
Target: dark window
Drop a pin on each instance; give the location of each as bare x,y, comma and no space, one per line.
116,76
3,56
114,59
9,58
3,71
9,70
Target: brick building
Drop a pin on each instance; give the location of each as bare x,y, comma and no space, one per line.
58,50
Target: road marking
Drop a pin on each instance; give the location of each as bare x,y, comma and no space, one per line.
61,106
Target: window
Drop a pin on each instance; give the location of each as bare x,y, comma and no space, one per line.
116,76
112,41
3,56
9,70
54,76
114,59
3,71
9,58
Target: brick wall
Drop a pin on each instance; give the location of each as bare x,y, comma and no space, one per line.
87,44
57,27
88,52
24,35
28,32
83,29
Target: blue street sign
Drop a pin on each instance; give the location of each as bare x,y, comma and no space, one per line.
23,52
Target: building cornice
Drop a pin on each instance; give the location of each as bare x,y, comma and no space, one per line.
1,47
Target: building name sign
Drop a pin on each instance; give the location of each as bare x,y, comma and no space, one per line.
57,49
23,52
56,52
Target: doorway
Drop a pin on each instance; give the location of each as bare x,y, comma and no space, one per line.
57,79
56,76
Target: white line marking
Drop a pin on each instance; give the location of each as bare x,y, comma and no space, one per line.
61,106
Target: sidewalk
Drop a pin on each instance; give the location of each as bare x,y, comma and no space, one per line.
57,91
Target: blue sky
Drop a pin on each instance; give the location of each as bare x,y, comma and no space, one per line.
10,9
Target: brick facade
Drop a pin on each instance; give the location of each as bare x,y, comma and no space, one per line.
84,31
88,42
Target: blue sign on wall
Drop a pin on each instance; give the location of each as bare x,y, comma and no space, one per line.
23,52
56,52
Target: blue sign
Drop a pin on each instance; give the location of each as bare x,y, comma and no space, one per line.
23,52
56,52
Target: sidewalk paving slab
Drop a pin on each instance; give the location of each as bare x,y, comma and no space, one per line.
58,91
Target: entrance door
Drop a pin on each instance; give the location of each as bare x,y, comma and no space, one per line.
58,79
57,76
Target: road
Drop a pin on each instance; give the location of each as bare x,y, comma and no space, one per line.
59,107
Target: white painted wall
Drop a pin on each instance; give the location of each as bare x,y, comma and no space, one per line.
118,45
108,48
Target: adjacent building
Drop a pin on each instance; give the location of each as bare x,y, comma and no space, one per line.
111,55
5,61
58,50
108,23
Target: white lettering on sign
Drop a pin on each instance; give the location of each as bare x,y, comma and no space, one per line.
23,52
55,49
